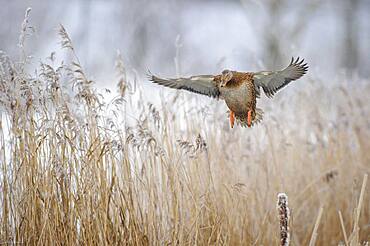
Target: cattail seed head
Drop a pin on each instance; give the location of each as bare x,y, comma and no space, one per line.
283,213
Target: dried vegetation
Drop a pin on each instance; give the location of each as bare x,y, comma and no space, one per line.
78,169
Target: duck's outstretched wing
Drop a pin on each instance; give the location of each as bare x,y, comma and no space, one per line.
272,81
201,84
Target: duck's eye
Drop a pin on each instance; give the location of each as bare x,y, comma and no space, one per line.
226,71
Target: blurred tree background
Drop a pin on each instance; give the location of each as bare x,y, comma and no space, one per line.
333,36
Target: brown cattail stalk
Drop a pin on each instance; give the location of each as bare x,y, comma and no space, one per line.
284,213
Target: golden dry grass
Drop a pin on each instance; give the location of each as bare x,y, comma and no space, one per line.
74,170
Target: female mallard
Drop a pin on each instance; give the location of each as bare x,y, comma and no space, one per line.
239,90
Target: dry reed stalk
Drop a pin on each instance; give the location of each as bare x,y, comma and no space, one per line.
343,228
283,213
354,238
316,227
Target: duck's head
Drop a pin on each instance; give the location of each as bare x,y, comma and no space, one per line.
226,76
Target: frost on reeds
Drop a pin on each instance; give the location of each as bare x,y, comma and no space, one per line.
284,214
77,168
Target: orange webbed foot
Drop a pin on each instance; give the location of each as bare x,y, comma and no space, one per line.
232,119
249,120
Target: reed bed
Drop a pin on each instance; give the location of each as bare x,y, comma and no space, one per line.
77,168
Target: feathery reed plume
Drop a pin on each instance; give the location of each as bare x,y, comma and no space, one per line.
66,41
193,150
24,28
122,76
284,213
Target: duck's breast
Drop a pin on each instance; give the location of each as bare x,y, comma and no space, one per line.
239,99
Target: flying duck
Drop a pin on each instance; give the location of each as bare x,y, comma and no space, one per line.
240,90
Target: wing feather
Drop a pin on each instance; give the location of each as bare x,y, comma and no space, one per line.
201,84
272,81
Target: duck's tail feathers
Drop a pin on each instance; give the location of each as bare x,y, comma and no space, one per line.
242,120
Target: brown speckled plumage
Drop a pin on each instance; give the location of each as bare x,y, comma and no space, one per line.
240,90
240,95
